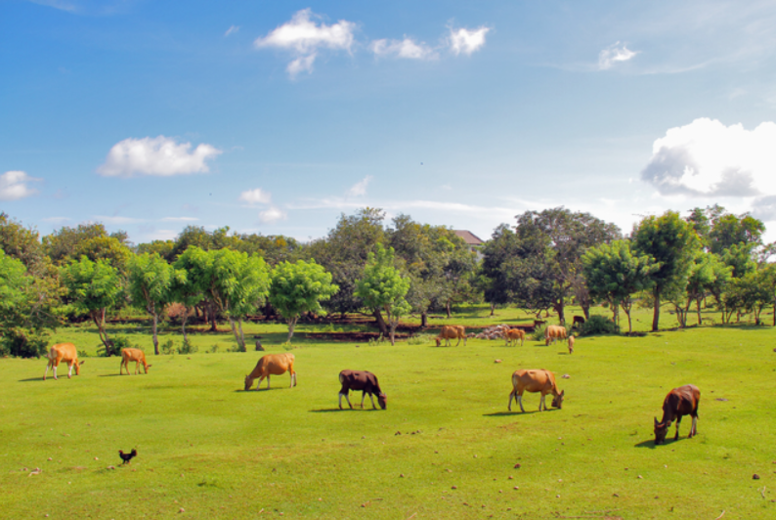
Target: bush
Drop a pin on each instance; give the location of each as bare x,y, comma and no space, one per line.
18,344
168,347
187,348
116,344
538,333
214,348
421,339
598,325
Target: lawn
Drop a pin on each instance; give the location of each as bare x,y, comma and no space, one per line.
446,447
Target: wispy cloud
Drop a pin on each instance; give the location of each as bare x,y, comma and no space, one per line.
180,219
304,36
231,30
359,188
116,220
13,185
615,53
159,156
465,41
257,196
406,48
56,220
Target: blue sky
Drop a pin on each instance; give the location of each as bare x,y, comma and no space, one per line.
276,117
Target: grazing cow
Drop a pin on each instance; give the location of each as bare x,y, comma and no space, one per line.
63,352
535,381
679,401
578,320
512,335
571,344
133,354
364,381
449,332
553,333
271,364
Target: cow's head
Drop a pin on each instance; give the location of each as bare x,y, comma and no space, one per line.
438,342
381,401
661,429
146,367
248,382
78,367
557,401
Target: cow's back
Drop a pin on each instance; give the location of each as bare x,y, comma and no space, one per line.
533,380
277,364
132,354
63,351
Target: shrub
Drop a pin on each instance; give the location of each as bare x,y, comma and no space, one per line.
421,339
187,348
167,347
214,348
598,325
116,344
538,333
17,344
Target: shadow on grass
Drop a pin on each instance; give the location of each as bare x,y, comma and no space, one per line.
358,409
516,412
646,444
110,375
261,390
33,379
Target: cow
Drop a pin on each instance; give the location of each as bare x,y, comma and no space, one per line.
571,344
364,381
535,381
133,354
63,352
512,335
679,401
449,332
553,333
271,364
578,320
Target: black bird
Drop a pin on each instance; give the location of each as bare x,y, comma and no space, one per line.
127,457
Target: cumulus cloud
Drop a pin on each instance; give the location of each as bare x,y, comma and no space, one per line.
707,158
13,185
359,188
304,36
466,41
272,215
232,29
614,54
161,156
406,48
256,196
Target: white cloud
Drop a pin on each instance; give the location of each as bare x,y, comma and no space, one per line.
232,29
116,220
13,185
406,48
305,36
161,156
56,220
359,188
466,41
272,215
256,196
613,54
707,158
180,219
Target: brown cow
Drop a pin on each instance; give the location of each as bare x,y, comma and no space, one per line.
512,335
571,344
364,381
679,401
578,320
133,354
449,332
271,364
63,352
553,333
535,381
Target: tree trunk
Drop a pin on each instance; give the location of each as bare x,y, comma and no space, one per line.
156,338
423,320
393,325
211,311
698,306
380,322
240,343
656,314
98,316
493,310
627,313
449,310
242,336
586,311
291,325
183,324
559,308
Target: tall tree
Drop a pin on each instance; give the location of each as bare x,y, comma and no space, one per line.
382,287
297,288
93,287
89,240
614,274
673,244
150,279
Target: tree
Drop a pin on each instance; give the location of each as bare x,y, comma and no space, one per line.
89,240
673,244
186,287
93,287
150,279
297,288
21,243
614,273
566,236
382,287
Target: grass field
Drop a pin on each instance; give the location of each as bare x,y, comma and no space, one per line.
446,447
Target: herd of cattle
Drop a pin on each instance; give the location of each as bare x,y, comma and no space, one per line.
678,403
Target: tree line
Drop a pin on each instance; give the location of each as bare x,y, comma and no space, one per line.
546,261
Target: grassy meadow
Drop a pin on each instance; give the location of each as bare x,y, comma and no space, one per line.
446,447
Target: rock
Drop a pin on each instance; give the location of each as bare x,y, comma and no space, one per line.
518,465
397,433
516,487
755,477
454,487
401,475
565,376
181,510
615,495
497,361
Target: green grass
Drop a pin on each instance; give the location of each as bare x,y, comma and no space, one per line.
218,452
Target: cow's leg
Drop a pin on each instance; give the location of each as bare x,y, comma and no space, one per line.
541,403
293,380
520,401
372,398
678,420
693,431
258,385
340,400
347,396
267,381
137,366
70,371
511,395
56,365
47,368
363,396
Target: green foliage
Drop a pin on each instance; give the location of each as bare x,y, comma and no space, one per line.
598,325
117,343
187,348
298,288
539,332
150,279
421,339
168,347
89,240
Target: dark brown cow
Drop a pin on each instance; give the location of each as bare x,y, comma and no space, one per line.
578,320
679,401
364,381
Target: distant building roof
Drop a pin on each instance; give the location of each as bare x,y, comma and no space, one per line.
469,237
